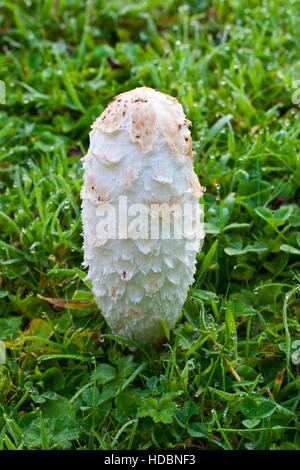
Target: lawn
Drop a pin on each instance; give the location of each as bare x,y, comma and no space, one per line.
227,376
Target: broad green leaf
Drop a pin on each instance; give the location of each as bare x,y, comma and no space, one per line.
197,429
289,249
91,396
104,372
189,409
251,423
254,409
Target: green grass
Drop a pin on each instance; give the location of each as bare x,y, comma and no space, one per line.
228,377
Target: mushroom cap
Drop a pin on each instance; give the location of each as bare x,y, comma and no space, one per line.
141,148
146,107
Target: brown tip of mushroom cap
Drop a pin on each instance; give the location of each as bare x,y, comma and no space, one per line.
145,107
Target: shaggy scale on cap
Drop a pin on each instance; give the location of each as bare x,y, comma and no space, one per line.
141,148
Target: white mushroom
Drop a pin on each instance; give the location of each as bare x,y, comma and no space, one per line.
139,192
